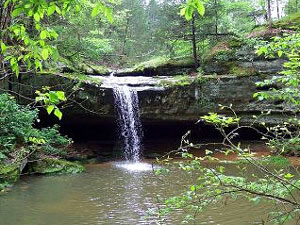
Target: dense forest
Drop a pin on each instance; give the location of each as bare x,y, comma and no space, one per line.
231,68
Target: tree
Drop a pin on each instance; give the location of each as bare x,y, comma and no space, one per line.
26,42
293,6
269,14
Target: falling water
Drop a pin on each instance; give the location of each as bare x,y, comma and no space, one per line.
127,108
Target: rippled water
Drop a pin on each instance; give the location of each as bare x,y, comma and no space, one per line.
111,193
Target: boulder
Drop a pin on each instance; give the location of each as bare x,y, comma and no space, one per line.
55,166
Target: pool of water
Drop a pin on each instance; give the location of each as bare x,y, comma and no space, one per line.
109,193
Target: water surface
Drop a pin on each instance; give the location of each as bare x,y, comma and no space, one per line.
110,193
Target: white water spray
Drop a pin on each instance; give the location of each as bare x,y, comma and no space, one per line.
127,109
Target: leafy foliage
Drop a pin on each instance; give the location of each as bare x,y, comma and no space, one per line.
50,100
27,40
288,82
212,184
16,125
275,186
285,137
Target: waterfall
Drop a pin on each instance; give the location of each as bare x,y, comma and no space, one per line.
128,118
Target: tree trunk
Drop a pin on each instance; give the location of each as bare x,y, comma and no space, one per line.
269,14
216,19
278,8
194,43
125,36
5,21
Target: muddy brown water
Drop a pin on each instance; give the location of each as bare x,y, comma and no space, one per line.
111,193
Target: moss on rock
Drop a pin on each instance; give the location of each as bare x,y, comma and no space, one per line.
235,69
221,51
164,62
289,24
8,175
56,166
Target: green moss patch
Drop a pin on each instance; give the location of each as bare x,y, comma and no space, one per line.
67,66
55,166
164,62
178,81
287,24
236,70
9,174
92,69
82,78
291,22
222,51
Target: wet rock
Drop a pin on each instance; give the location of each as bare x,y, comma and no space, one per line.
55,166
9,173
93,104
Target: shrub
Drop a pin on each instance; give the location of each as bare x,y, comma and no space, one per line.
15,123
16,130
286,146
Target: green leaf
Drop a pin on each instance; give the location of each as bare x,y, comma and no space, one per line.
288,176
51,9
53,97
57,9
43,34
36,17
189,12
27,6
109,14
50,108
55,54
280,53
58,113
182,11
95,11
61,95
193,188
45,53
200,7
16,12
37,26
3,47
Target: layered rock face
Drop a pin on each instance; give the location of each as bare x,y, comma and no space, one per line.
228,77
93,103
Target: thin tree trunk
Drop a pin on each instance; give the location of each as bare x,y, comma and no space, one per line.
216,19
269,14
278,8
5,21
125,37
194,43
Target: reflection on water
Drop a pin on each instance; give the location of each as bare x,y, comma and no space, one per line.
112,193
135,166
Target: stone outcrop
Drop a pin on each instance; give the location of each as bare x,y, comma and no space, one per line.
89,102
